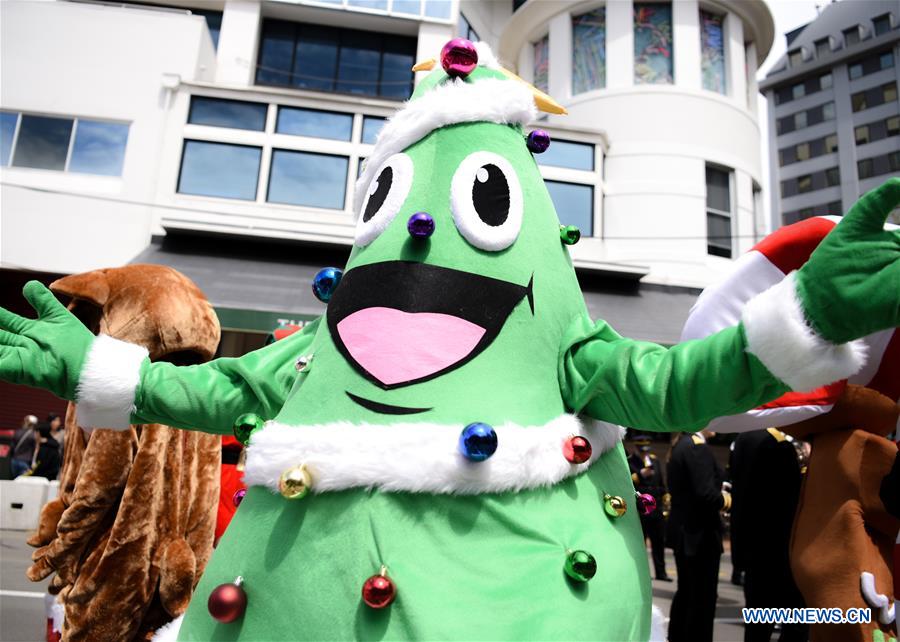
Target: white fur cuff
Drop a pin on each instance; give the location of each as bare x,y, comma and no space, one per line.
779,336
108,382
169,632
421,457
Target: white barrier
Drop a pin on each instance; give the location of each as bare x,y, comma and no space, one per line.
21,501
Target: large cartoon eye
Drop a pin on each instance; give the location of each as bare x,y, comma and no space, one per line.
486,200
384,198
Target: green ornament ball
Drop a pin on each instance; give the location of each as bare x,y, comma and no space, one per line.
245,425
580,565
569,234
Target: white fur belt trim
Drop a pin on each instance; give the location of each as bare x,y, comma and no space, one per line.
779,335
108,382
421,457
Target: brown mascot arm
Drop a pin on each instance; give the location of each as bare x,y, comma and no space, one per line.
104,472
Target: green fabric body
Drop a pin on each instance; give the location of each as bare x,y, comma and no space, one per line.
484,567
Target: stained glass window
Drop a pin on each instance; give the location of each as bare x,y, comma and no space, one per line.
542,63
653,62
589,51
712,51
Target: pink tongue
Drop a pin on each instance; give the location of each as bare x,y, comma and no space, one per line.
396,346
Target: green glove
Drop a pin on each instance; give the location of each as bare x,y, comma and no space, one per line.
48,352
850,287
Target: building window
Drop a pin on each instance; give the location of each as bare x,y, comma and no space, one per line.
823,47
305,178
804,183
236,114
371,128
878,165
437,9
831,144
805,87
892,126
851,36
826,209
826,81
881,24
803,151
219,169
574,204
463,28
589,51
873,97
810,182
331,59
861,134
808,149
541,51
563,153
871,64
653,63
795,57
99,148
865,168
8,122
213,23
718,212
75,145
712,51
314,123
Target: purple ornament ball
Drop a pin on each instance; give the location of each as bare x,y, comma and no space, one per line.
420,225
538,141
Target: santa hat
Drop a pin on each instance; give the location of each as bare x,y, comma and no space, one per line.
768,263
482,92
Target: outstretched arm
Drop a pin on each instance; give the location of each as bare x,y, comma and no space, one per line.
115,384
795,336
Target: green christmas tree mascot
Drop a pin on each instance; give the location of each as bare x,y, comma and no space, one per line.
439,456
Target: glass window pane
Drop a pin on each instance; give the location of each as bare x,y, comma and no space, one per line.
832,176
227,113
890,92
563,153
396,68
315,65
882,24
43,142
437,9
893,125
589,52
99,148
886,60
371,128
218,169
360,59
800,120
314,123
411,7
804,183
718,231
213,23
712,51
718,191
276,53
795,57
653,43
828,111
851,36
831,144
304,178
856,70
803,151
379,5
825,81
865,168
822,47
7,131
574,204
541,55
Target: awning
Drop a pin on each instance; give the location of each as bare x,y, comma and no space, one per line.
258,286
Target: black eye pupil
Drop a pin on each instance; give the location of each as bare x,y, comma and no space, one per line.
376,199
490,195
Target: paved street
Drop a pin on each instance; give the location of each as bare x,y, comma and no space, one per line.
22,603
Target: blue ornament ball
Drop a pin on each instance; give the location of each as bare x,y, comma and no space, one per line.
325,282
477,442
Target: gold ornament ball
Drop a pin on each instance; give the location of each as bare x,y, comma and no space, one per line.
615,506
295,483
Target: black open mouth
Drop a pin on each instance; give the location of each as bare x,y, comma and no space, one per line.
401,322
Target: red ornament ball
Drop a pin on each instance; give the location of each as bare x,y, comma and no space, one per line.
378,591
227,602
577,450
459,58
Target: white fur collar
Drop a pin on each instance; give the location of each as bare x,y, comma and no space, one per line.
421,457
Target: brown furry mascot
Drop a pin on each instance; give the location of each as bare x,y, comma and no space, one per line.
132,529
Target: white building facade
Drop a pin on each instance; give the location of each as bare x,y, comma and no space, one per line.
245,121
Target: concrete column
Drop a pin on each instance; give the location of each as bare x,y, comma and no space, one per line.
686,43
752,85
735,60
619,44
238,42
560,76
843,114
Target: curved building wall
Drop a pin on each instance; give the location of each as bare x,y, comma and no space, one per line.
666,142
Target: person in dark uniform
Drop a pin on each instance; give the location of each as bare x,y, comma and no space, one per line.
766,473
647,475
694,532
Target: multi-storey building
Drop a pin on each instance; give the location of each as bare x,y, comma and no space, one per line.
834,118
224,137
